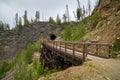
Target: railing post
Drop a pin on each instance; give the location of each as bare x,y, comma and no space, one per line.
60,45
73,49
86,49
56,44
53,43
65,47
84,52
110,51
96,52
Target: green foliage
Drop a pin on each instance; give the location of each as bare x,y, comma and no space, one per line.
67,34
51,20
64,18
27,54
58,20
16,19
4,68
37,16
95,19
85,20
4,26
117,45
26,22
25,70
73,34
78,32
28,72
78,13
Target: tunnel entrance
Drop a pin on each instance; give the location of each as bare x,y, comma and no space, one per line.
52,36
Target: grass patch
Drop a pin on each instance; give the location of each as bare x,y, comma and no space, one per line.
28,68
21,62
95,19
5,66
90,67
116,47
73,33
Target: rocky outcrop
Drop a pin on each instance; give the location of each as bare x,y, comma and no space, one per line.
11,42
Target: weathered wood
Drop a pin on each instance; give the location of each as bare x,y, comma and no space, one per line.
57,52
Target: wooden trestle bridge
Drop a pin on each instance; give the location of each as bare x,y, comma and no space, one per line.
60,53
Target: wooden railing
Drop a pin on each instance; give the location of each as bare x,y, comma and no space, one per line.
99,49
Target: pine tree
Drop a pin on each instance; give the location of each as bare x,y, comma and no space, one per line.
32,21
51,20
16,19
6,27
20,21
37,16
58,20
79,14
1,26
26,22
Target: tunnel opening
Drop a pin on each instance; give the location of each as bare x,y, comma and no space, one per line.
52,36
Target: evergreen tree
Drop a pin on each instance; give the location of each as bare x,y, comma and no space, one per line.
32,21
78,14
26,22
37,16
20,21
6,27
16,19
58,20
51,20
1,26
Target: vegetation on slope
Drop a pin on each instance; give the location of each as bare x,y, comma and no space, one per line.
77,32
21,62
73,33
117,44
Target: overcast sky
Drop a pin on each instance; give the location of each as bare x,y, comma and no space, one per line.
47,8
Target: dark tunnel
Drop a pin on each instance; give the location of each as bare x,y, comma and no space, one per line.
52,36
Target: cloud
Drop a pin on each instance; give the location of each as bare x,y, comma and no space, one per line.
47,8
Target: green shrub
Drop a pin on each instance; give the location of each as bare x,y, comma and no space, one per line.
85,20
74,33
66,36
4,68
117,45
78,32
37,67
95,19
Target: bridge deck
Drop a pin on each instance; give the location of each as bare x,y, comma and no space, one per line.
77,52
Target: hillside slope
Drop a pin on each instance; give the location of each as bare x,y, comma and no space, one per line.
11,42
108,27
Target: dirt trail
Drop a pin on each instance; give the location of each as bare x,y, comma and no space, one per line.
111,67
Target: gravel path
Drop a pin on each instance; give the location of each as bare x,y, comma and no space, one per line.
111,67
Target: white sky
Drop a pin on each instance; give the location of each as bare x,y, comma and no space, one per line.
47,8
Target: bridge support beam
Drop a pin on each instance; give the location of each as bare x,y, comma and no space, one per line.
50,59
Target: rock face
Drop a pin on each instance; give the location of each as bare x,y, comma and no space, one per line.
108,27
11,42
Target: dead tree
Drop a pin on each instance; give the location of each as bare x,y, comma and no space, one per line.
67,11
